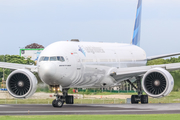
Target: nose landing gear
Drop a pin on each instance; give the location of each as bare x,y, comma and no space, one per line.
61,99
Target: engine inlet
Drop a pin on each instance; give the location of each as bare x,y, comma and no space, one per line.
19,84
155,83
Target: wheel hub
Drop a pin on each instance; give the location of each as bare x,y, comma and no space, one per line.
59,103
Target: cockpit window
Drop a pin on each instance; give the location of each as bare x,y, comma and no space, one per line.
46,58
52,58
41,59
60,58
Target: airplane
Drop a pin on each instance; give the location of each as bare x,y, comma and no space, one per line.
74,64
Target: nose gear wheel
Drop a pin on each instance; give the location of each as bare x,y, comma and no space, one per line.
61,99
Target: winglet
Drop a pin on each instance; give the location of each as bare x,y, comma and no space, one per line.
137,26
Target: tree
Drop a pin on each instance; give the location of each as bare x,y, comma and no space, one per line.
13,59
34,45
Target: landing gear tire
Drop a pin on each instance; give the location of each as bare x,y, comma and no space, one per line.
144,99
133,99
61,99
59,103
54,103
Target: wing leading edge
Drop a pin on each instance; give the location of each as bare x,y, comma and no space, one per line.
127,73
15,66
162,56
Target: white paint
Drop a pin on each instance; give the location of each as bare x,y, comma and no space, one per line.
87,64
4,106
31,53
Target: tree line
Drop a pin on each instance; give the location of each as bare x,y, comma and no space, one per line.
13,59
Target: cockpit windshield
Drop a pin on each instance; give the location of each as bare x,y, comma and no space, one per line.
53,58
46,58
60,58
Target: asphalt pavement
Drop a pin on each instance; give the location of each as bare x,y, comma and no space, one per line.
90,109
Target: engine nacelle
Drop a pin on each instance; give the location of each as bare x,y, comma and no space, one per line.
21,83
157,82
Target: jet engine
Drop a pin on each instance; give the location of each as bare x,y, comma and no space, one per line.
157,82
21,83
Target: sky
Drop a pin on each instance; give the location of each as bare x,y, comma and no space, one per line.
23,22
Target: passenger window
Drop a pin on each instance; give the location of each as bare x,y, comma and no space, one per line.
52,58
46,58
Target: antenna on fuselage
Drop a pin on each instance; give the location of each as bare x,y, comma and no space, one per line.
75,40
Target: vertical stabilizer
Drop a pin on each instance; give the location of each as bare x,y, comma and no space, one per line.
137,26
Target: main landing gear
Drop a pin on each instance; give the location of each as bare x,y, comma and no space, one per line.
135,99
61,99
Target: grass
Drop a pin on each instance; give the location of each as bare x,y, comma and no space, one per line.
26,101
99,101
109,93
95,117
49,101
105,93
173,97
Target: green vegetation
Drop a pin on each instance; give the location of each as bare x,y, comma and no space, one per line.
12,59
173,97
105,92
42,87
95,117
15,59
164,61
49,101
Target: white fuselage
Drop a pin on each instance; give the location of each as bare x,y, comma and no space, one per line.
87,64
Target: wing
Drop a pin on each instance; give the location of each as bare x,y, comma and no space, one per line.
162,56
127,73
15,66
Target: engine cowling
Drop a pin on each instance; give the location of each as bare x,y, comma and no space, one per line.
157,82
21,83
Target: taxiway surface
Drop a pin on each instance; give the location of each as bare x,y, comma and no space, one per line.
90,109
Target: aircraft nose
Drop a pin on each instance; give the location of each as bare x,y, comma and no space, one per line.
47,71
